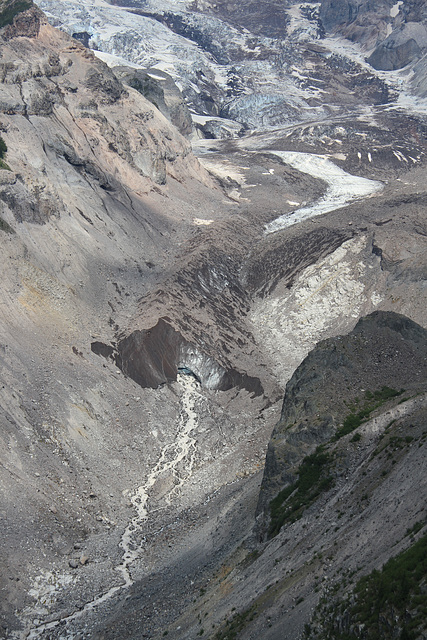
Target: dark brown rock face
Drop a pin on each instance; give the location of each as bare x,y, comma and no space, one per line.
154,356
150,357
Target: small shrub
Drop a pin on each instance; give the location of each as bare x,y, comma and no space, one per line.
387,603
12,9
3,147
372,402
291,502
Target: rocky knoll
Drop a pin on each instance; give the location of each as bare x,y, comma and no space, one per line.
338,379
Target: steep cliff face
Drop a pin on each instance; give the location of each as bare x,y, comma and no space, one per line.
161,91
394,33
358,21
406,45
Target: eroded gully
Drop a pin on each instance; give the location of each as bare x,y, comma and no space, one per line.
177,458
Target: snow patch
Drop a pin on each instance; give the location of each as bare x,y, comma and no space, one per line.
221,168
156,77
115,61
202,222
342,189
395,9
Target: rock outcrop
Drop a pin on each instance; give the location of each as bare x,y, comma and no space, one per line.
337,379
396,34
161,91
113,132
402,47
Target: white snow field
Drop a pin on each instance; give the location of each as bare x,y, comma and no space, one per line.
342,189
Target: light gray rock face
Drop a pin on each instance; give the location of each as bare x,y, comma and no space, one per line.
401,47
419,79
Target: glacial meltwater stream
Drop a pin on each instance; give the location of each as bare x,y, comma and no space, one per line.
177,459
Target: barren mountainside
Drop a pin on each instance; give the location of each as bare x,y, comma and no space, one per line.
213,320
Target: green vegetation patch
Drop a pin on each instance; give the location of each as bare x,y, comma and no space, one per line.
415,528
11,9
372,402
387,604
3,149
235,625
313,479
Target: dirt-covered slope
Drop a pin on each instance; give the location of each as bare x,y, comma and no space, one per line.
149,326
